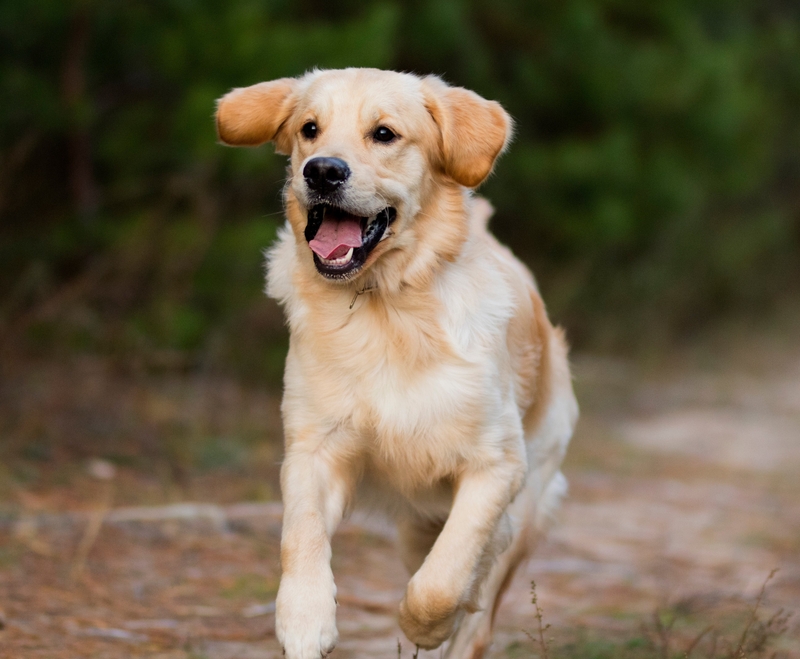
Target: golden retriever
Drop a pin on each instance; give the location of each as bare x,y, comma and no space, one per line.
423,375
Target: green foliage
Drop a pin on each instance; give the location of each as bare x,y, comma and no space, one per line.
653,176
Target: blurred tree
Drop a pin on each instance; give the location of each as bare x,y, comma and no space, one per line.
652,183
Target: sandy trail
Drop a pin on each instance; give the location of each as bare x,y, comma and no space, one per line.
684,494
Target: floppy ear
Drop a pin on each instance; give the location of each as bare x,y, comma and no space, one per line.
474,131
250,116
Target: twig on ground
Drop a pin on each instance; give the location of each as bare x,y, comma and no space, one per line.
544,644
740,649
91,532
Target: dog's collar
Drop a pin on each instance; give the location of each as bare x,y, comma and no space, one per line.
366,289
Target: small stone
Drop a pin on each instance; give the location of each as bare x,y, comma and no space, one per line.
102,470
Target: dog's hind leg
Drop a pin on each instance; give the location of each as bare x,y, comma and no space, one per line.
474,633
529,515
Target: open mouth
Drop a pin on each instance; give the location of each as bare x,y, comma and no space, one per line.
341,241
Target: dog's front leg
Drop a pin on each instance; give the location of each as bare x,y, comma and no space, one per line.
440,590
315,493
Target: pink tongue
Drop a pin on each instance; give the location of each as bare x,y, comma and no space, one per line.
336,236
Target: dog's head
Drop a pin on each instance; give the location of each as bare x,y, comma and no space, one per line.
369,149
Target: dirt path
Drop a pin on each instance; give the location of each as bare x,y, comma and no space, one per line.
684,495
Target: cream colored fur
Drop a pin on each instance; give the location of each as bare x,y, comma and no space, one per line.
443,395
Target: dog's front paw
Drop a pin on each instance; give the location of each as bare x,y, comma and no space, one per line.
305,616
428,615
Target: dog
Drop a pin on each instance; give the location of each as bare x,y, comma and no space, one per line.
423,375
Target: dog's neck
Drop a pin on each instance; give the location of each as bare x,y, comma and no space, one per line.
434,237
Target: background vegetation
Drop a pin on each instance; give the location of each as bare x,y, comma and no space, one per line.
652,186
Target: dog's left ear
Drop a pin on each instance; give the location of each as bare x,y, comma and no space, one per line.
474,131
250,116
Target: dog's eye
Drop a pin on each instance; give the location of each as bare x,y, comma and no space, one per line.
309,130
383,134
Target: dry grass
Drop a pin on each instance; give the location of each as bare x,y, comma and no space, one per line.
757,637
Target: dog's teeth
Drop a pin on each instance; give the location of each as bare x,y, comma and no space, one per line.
342,260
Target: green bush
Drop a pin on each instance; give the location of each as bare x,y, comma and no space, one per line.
652,184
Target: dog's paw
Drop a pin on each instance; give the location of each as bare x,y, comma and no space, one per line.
428,616
305,617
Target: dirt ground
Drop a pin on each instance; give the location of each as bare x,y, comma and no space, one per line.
684,496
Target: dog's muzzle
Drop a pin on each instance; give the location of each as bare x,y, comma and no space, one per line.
342,241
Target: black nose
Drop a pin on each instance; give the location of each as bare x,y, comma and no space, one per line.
325,174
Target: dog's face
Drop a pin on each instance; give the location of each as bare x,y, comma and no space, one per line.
368,149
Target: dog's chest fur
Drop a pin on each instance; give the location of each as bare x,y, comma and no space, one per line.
406,379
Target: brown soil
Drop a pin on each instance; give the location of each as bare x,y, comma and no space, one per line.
684,496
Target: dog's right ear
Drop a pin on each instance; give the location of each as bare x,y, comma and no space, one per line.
253,115
473,131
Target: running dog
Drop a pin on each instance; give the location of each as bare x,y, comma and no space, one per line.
423,375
